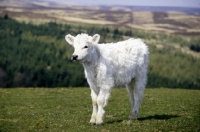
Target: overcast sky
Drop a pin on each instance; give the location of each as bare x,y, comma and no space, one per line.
179,3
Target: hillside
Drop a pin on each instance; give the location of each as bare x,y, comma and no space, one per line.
38,55
37,29
169,20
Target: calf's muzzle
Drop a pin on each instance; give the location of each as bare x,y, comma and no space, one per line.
74,57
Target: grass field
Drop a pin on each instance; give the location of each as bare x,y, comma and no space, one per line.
69,109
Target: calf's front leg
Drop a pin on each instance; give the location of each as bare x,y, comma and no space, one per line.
101,102
95,107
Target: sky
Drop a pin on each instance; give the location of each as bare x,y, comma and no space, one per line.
178,3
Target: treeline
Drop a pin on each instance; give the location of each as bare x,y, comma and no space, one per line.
38,56
27,60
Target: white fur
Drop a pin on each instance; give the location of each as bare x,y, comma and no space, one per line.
109,65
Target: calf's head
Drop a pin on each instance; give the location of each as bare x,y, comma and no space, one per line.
83,45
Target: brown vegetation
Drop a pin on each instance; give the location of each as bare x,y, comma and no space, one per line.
170,22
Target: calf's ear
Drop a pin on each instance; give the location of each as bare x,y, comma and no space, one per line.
70,39
95,38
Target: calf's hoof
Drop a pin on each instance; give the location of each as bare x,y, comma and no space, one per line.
133,117
99,124
92,122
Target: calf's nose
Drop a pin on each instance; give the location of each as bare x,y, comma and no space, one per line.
74,57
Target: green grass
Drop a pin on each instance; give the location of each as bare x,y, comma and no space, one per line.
69,109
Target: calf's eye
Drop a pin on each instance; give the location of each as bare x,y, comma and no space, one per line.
85,47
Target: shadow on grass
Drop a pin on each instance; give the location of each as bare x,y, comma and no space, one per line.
158,117
114,121
154,117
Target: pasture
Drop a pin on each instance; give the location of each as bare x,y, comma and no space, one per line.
69,109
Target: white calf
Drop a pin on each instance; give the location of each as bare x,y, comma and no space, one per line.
109,65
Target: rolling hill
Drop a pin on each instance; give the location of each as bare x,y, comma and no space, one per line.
33,51
169,20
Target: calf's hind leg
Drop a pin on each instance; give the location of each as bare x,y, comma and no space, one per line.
130,90
139,87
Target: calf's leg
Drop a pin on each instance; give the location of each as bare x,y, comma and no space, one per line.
130,90
95,107
138,92
101,102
